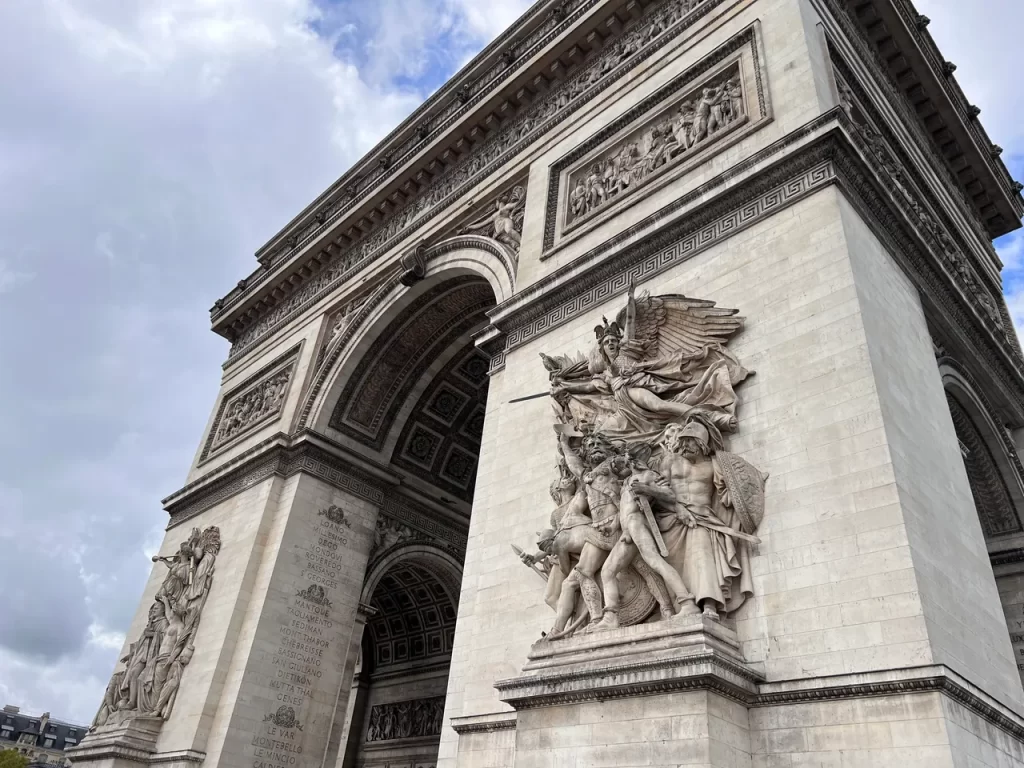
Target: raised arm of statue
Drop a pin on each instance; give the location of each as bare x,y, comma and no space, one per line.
572,460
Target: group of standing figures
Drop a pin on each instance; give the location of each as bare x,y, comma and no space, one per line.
406,719
147,685
652,512
716,107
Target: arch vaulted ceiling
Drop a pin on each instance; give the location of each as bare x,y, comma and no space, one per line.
440,442
386,375
415,617
991,496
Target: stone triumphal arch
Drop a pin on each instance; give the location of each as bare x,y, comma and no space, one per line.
647,397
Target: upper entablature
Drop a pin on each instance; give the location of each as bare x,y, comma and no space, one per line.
549,63
896,36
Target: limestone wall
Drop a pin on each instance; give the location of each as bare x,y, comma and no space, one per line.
962,611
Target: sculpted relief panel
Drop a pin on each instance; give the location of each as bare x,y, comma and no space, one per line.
406,719
148,684
256,401
653,514
712,104
658,23
702,116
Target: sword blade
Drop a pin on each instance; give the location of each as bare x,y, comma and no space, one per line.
529,397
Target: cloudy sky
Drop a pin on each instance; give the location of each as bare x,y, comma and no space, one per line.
147,149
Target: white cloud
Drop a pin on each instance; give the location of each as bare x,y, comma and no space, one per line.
10,277
146,150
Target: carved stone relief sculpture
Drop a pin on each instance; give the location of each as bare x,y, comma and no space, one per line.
148,683
259,399
703,115
406,719
953,258
505,222
658,23
651,510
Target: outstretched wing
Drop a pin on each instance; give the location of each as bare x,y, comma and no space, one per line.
519,212
672,323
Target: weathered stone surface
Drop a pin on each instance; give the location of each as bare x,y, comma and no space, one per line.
379,460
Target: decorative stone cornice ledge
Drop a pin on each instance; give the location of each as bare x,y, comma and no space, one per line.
925,679
825,152
312,453
697,654
1007,557
335,240
495,721
133,741
939,103
683,654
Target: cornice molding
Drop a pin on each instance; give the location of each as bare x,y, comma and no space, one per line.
706,672
496,721
1006,557
821,154
564,91
914,25
311,453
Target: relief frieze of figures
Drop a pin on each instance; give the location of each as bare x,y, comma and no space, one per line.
147,684
704,115
252,406
638,39
406,719
654,518
952,257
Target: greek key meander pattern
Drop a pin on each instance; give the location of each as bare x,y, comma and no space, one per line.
648,265
583,83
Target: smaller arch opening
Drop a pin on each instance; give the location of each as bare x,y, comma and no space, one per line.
405,658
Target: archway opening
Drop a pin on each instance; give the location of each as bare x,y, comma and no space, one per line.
401,681
994,476
413,397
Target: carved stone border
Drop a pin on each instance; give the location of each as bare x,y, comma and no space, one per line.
730,53
898,100
677,243
275,457
286,361
343,270
832,158
844,72
939,681
497,721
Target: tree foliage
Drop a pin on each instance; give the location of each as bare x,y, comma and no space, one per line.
11,758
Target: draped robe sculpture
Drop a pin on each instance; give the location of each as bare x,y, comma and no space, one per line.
148,684
660,514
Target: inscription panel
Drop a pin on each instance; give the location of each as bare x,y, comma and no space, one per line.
302,668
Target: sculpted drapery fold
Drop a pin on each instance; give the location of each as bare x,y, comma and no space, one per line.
654,518
147,684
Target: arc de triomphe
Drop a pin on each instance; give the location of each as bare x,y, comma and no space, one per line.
689,307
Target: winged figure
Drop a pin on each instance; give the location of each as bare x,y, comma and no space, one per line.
661,360
505,223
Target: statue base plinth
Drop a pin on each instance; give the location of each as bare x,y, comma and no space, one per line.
130,742
681,654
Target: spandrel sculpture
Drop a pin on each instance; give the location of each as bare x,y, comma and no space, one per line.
654,518
148,684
